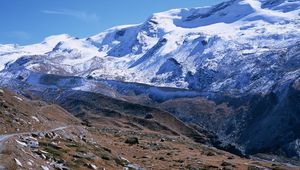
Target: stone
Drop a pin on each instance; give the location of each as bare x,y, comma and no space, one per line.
133,167
18,162
44,167
226,164
91,166
148,116
132,140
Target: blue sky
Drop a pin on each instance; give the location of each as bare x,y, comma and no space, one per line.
30,21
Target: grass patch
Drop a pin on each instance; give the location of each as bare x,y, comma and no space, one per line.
102,153
82,149
253,168
76,164
119,161
52,149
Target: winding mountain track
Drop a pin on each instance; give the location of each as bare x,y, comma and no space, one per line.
5,137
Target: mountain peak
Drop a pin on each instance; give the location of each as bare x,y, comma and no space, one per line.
232,11
54,39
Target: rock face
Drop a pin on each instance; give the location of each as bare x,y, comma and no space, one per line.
254,123
239,83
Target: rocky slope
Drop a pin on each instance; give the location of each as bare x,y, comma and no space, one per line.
54,139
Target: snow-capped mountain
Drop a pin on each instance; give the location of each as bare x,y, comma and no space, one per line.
236,46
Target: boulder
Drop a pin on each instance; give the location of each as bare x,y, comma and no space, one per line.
132,140
148,116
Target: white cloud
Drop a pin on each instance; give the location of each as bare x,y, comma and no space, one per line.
81,15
